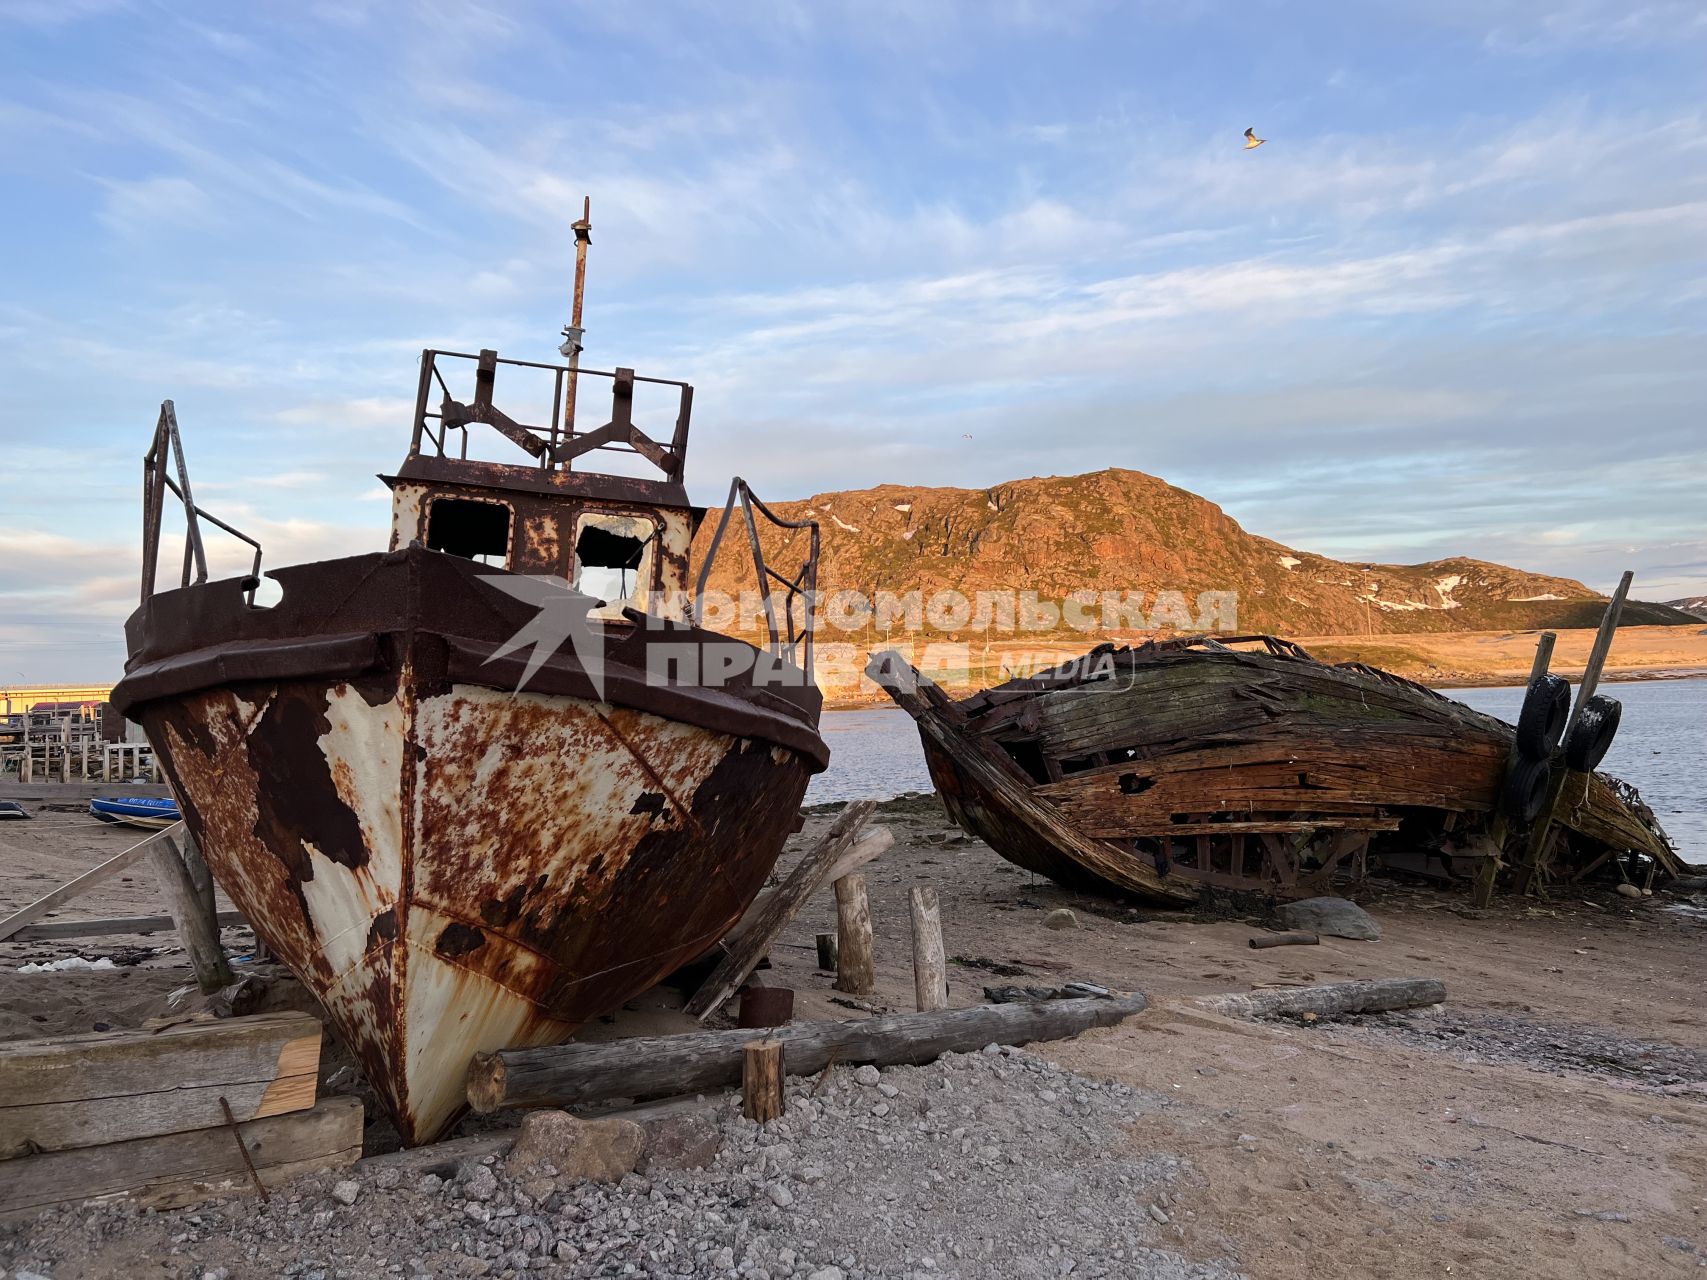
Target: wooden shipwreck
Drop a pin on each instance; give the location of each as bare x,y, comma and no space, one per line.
1246,764
487,784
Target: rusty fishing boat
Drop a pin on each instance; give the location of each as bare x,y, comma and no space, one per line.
1244,763
483,786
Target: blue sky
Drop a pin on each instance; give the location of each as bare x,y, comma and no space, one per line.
1455,306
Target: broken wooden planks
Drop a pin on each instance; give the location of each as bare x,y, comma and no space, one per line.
88,880
177,1169
563,1075
88,1090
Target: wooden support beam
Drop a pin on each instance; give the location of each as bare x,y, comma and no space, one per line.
856,967
781,907
930,965
72,889
178,1169
98,1088
1332,1000
193,914
563,1075
761,1080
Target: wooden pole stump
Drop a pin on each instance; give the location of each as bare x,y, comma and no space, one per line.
197,926
930,965
856,969
761,1080
827,952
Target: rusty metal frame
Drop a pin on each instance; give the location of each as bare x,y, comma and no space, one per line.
557,444
803,583
165,448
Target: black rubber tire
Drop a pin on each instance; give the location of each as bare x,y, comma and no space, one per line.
1525,789
1546,708
1592,736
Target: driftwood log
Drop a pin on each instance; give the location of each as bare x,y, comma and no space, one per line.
564,1075
1332,1000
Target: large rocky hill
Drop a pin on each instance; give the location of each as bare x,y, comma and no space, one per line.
1125,530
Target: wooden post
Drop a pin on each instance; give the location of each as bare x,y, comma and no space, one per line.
761,1080
1488,874
930,965
1534,852
827,952
856,971
197,928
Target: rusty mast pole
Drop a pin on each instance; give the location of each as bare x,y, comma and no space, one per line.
572,335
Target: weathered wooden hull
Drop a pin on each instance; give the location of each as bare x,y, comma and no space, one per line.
1244,770
450,866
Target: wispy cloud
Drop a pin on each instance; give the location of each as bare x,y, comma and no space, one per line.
1455,305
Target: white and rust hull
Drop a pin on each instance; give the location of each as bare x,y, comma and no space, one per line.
452,867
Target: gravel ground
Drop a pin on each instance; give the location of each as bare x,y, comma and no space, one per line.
995,1164
1555,1048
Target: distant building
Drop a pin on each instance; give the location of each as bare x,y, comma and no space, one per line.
19,698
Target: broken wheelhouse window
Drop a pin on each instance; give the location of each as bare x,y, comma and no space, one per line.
475,529
613,560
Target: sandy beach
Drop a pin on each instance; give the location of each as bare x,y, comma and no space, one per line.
1548,1120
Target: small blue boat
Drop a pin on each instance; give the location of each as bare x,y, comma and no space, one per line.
137,811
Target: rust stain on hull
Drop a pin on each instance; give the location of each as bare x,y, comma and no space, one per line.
459,870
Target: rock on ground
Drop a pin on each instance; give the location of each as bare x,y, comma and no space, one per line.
1333,917
556,1142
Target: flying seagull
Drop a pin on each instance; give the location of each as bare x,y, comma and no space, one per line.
1251,139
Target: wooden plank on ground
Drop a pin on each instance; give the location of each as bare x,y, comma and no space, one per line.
102,926
83,883
86,1090
178,1169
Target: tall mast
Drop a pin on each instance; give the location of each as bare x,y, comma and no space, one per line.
573,333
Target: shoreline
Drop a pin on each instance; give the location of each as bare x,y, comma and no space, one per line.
877,699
